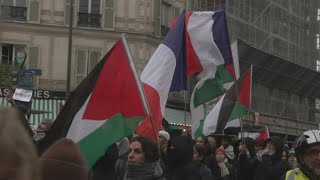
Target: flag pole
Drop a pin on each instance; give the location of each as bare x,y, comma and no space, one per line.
138,81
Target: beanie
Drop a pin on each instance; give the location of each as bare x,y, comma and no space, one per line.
63,161
165,134
221,150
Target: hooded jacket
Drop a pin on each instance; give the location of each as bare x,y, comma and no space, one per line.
63,161
179,156
272,167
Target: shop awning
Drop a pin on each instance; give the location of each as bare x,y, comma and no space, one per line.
275,72
41,108
177,117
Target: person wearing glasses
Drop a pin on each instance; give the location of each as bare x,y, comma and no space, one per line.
307,149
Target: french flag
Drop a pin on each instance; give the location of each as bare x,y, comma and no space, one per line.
165,72
208,43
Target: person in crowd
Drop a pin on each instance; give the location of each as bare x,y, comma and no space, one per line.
242,168
284,156
203,141
44,125
292,160
121,164
63,161
212,142
270,165
18,152
226,145
163,139
143,160
179,156
225,167
307,149
42,129
258,145
199,154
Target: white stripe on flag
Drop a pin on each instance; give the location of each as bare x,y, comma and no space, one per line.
210,123
159,72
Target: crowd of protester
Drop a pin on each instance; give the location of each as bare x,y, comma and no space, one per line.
171,158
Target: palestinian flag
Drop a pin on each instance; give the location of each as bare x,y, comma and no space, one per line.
104,108
258,133
230,108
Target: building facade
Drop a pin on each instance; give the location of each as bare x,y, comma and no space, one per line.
288,29
40,28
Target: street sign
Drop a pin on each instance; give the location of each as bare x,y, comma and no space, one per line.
31,72
25,82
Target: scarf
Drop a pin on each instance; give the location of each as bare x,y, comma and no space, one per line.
224,170
146,171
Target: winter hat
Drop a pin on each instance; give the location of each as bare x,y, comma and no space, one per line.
221,150
165,134
63,161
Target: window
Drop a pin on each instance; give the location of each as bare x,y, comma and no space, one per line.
86,60
318,65
14,9
166,18
9,53
89,14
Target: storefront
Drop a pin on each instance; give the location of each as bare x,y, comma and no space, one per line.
45,104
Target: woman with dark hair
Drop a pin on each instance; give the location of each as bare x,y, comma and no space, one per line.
143,160
199,153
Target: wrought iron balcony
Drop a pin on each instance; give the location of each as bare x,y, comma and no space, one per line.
14,13
89,20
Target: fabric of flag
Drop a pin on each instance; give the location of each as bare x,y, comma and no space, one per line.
208,43
258,133
166,71
104,108
230,108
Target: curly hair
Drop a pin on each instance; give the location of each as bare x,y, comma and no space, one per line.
149,148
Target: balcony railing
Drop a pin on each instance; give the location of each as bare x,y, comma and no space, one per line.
14,13
89,20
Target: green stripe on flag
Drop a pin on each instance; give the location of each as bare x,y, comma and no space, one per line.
95,145
238,111
212,88
199,131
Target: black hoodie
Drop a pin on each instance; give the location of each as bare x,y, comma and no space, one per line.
179,158
272,167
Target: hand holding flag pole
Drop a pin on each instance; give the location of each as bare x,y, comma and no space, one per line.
139,84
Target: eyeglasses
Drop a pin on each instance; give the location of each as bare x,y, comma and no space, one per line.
314,153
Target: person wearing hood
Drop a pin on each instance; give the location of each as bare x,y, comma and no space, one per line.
244,159
121,164
179,156
292,160
18,152
143,160
63,161
270,165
